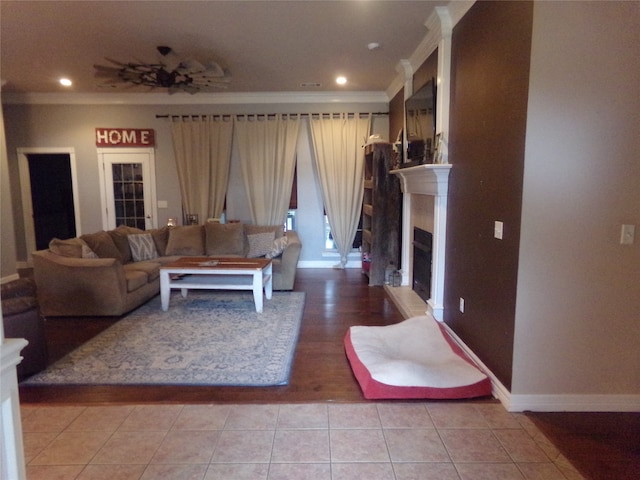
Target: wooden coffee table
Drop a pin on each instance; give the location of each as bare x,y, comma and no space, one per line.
217,274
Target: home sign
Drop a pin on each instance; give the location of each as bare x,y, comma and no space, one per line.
125,137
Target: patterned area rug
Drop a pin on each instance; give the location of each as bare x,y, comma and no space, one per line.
209,338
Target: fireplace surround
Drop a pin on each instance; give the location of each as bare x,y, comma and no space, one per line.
428,179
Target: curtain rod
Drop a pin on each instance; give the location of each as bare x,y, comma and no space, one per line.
266,114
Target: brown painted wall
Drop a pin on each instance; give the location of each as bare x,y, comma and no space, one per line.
489,90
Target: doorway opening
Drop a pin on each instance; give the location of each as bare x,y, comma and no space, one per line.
51,197
48,183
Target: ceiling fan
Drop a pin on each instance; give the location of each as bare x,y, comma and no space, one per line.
170,72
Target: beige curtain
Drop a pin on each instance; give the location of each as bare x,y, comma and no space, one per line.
267,149
339,156
202,148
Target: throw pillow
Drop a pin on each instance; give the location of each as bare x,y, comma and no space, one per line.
119,236
186,240
86,251
224,239
142,247
260,244
278,230
103,246
71,247
160,238
278,246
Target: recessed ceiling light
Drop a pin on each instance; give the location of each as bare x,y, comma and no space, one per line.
341,80
65,82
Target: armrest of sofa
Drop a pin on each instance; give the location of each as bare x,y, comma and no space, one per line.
288,262
68,286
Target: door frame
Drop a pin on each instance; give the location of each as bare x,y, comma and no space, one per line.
150,151
25,190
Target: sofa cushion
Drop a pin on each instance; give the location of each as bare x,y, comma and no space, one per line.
225,239
186,240
150,268
277,247
135,279
278,230
142,247
160,238
260,244
103,246
119,237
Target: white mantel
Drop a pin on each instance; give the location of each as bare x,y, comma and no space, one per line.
428,179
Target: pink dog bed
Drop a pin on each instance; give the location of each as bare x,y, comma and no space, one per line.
415,359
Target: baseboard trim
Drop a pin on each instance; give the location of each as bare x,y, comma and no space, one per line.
328,263
574,403
498,390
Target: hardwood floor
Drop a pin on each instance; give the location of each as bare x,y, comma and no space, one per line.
336,299
601,446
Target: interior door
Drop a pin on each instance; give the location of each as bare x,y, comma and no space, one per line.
128,187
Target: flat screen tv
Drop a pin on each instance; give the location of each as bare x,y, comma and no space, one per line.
420,112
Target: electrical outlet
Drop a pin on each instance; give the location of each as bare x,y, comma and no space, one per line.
462,304
627,234
498,229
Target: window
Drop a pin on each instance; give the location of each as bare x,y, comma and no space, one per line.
329,244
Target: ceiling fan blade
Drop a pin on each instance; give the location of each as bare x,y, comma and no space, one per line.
116,62
191,65
214,69
103,71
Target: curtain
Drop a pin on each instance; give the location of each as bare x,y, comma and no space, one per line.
339,159
202,148
267,150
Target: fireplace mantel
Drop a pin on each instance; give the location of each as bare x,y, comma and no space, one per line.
428,179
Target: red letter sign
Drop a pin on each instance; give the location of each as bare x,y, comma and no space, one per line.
125,137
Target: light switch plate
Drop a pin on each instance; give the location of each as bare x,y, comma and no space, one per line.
498,230
627,234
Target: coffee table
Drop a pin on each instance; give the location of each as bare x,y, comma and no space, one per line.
217,274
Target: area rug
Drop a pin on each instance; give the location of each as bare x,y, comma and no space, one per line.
209,338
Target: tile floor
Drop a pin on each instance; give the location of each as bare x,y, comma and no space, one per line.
290,441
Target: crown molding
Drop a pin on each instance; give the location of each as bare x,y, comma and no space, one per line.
224,98
439,24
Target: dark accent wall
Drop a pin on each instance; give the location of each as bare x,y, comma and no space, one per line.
491,49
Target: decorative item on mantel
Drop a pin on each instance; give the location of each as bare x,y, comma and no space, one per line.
396,278
375,138
191,219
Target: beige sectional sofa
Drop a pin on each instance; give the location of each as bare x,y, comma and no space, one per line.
113,272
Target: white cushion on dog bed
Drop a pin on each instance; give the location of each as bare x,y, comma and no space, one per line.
412,359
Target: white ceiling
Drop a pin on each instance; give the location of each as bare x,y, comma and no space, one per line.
269,46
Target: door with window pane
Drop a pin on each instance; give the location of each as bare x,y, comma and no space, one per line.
128,188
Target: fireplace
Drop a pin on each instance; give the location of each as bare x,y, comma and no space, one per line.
422,252
433,180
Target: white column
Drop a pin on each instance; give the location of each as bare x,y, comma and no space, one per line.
12,466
